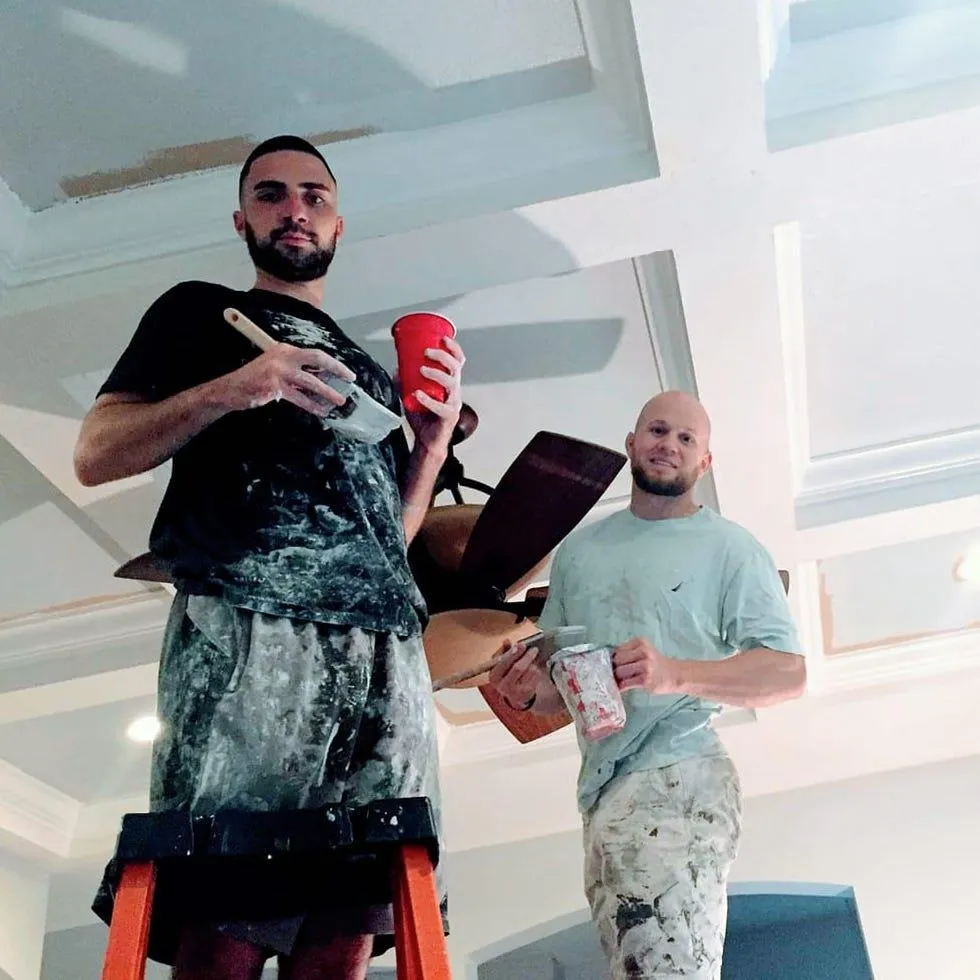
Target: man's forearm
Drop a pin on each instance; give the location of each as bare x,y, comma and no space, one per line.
122,438
750,679
419,483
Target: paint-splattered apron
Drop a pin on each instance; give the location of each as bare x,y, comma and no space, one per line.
658,848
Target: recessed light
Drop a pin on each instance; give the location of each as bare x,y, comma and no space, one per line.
145,729
968,567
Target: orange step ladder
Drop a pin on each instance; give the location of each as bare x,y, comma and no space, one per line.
170,867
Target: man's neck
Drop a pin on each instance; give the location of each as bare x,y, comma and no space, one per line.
309,292
653,507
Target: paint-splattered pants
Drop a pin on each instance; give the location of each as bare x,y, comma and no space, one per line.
266,713
658,848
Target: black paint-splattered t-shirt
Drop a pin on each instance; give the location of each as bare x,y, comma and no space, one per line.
267,508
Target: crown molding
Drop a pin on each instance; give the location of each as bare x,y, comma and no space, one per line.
98,825
893,476
35,815
900,664
874,468
67,631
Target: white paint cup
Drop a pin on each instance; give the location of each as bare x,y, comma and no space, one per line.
584,677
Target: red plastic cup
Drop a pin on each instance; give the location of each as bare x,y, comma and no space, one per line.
415,333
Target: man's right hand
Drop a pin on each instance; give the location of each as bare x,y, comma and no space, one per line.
517,674
288,373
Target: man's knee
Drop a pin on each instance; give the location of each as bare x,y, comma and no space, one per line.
205,953
336,957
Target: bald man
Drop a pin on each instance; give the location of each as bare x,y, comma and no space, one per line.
698,617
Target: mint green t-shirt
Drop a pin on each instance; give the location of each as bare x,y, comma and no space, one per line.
698,588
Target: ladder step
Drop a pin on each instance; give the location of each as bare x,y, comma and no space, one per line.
246,865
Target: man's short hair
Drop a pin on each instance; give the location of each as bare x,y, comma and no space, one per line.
275,145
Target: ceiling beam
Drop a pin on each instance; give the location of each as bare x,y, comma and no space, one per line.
78,693
705,122
887,528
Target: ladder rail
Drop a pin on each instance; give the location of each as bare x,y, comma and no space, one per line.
129,933
420,945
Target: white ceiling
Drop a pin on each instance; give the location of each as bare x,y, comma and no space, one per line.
876,284
320,67
785,221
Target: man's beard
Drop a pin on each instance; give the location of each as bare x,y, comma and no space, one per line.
292,264
676,486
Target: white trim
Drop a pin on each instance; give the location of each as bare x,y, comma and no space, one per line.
934,657
792,329
48,635
35,813
874,469
879,530
78,693
663,311
804,600
13,228
609,34
98,825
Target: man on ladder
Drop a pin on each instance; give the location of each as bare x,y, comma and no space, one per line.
292,673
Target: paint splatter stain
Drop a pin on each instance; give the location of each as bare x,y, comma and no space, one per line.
632,912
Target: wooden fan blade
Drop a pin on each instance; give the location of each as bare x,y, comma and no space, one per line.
457,640
525,726
437,552
446,531
146,568
546,491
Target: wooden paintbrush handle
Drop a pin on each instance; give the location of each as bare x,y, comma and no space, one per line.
463,675
471,672
248,329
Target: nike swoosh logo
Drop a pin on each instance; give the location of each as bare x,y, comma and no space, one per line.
676,587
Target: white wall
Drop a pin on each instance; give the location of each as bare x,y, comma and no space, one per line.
907,842
23,901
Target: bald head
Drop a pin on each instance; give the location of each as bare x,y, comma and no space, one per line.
668,449
681,409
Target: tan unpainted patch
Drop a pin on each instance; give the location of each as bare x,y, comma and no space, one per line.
175,161
826,615
78,605
460,718
827,629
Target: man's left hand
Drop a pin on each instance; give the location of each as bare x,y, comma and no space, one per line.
434,426
637,663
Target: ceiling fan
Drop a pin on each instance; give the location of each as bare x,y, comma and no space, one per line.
474,562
